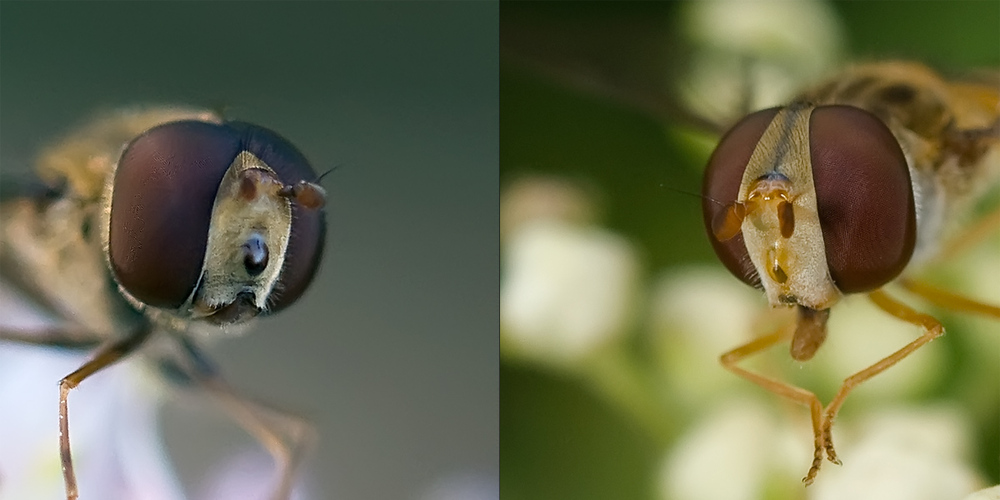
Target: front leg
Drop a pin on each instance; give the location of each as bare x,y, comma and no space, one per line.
821,441
105,357
61,337
932,330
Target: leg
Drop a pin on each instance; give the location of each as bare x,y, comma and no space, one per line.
983,228
950,300
285,436
50,337
970,236
932,330
105,357
791,392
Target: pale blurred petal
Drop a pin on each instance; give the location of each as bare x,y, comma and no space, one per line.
861,334
142,457
247,476
566,290
116,443
463,486
536,197
911,454
987,494
770,47
696,314
732,453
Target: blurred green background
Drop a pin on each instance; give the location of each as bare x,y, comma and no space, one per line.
586,93
393,350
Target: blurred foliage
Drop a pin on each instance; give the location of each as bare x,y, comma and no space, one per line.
594,454
560,437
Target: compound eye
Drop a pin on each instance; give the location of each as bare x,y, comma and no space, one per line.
864,197
721,187
161,207
305,251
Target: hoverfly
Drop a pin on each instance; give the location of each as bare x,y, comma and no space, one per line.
842,191
168,224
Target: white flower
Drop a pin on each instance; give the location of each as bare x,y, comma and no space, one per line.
696,314
566,290
118,452
116,443
859,335
768,47
463,486
908,454
536,197
986,494
246,476
733,452
743,450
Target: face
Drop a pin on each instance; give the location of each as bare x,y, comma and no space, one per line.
810,202
213,221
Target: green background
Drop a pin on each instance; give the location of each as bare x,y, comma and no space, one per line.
561,439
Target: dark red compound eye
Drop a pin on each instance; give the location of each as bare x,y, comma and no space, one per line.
721,186
161,207
864,197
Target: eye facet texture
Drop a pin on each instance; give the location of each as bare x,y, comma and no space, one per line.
864,197
721,186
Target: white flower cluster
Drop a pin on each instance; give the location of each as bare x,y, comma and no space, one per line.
567,287
572,292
